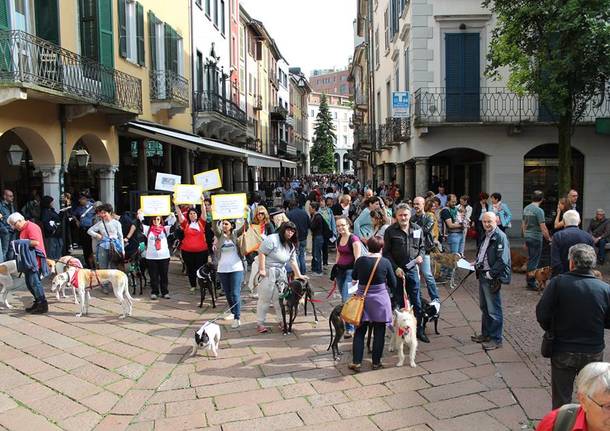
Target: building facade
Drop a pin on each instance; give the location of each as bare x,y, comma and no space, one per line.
341,111
464,131
299,129
331,82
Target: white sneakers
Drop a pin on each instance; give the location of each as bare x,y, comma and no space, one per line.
235,324
228,317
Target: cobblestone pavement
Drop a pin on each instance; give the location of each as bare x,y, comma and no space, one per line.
98,372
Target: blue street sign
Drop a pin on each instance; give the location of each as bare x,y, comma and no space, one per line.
400,104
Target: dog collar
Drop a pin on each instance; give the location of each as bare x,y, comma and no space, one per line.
403,331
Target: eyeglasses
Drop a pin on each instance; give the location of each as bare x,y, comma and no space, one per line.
604,407
261,214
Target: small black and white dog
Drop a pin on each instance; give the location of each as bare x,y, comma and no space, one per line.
335,321
296,291
206,278
208,338
432,310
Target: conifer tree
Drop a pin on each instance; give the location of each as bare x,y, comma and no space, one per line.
323,149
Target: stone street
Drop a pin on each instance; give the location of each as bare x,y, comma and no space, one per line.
98,372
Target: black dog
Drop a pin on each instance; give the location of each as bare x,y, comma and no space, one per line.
135,267
431,314
290,297
206,278
335,321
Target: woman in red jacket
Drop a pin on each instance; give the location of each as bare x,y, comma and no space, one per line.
194,247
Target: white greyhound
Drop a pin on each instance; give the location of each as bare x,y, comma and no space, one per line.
7,270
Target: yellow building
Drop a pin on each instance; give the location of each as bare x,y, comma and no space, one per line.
70,76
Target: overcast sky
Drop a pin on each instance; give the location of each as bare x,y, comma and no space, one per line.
311,34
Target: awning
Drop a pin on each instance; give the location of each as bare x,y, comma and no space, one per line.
288,164
262,161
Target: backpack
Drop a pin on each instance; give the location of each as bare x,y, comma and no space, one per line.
566,416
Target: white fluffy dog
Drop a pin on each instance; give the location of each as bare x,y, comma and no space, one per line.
405,332
84,279
7,270
207,337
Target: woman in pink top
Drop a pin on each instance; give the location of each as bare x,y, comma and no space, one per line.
348,250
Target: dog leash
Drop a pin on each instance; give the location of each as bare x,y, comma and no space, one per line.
458,286
404,293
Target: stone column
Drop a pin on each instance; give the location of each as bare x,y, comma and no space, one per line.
387,173
400,177
142,167
238,167
187,168
227,174
50,181
256,178
106,176
409,191
421,175
167,158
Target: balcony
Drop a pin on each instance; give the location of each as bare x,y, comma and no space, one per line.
278,113
399,130
49,72
383,137
218,117
365,137
168,90
290,121
273,79
491,106
284,149
258,103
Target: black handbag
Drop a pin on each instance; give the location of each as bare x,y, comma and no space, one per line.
114,255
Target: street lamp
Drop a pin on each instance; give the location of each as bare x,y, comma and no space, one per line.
14,155
82,157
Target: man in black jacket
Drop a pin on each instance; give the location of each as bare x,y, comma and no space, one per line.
403,245
426,222
300,218
575,307
599,228
564,239
493,269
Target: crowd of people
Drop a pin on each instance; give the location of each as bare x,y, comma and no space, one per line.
381,238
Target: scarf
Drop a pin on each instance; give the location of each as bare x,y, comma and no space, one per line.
156,231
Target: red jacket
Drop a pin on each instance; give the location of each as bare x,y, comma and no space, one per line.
194,240
547,423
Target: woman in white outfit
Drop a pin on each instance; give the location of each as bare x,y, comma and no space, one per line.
275,252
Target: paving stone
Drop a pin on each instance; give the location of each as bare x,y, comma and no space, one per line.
327,399
131,370
29,393
234,414
446,364
102,402
28,364
57,407
6,403
452,390
517,376
21,419
141,426
362,408
121,387
279,422
171,396
277,380
361,423
445,377
534,401
297,390
176,381
404,400
513,417
366,392
398,419
188,407
151,413
500,397
388,374
73,387
404,385
95,374
132,402
480,371
154,376
458,406
284,406
226,388
335,384
318,415
107,360
113,423
181,423
82,422
465,423
246,398
65,361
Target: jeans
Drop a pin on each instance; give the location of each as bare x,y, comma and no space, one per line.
344,280
7,251
325,245
454,242
412,292
534,251
564,368
32,281
316,258
601,250
54,247
157,270
301,256
378,341
426,270
231,285
491,311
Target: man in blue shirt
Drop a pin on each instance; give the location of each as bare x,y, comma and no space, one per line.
533,230
84,214
7,234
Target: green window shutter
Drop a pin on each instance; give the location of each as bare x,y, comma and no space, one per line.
152,36
140,33
106,56
4,21
47,20
122,28
176,54
168,46
89,29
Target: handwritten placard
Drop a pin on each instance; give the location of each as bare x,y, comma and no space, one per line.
187,194
155,205
166,182
208,180
228,206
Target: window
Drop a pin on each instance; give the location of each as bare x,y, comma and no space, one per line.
131,31
96,32
199,72
216,13
388,99
345,140
407,77
377,47
242,45
396,75
208,8
386,24
198,3
222,17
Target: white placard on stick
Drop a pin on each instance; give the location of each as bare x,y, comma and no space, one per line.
208,180
187,194
167,182
155,205
228,206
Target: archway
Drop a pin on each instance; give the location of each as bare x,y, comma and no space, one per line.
541,172
337,163
87,154
460,170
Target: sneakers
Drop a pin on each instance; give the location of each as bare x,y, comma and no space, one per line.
261,329
236,323
166,296
491,345
480,338
377,366
153,297
42,308
355,367
32,307
228,317
348,335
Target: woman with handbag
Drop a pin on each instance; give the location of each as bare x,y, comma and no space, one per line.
107,237
194,248
262,227
348,251
375,276
157,254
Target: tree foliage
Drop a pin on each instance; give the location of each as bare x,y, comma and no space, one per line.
558,50
323,149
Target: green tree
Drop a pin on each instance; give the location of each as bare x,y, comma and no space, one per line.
558,50
323,149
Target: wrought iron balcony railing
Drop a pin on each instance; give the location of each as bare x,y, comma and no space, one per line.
278,112
166,85
383,137
365,136
489,105
29,61
258,102
399,130
206,101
